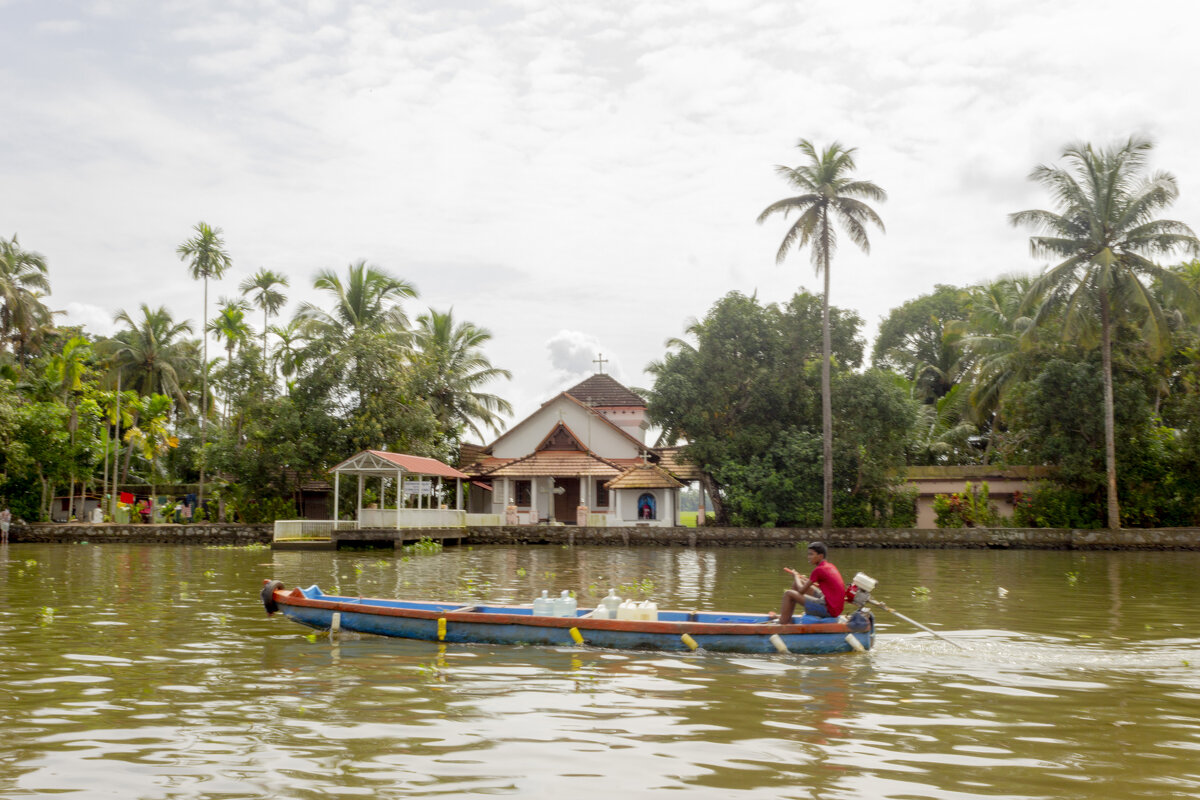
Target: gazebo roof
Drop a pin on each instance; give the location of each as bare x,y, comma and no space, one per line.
381,462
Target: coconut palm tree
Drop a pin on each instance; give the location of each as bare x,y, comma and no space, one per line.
1106,231
266,296
998,343
230,324
152,436
455,369
66,371
829,197
206,258
288,353
22,280
365,316
152,354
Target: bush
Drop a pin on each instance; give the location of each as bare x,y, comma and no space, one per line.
901,509
1051,505
970,508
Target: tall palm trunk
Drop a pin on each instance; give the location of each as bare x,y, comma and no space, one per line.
104,486
826,387
1110,445
129,451
203,394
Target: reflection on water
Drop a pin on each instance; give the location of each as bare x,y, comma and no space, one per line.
152,672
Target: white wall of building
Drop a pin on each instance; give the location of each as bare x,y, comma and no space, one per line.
592,433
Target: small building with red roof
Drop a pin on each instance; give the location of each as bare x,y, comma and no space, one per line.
579,459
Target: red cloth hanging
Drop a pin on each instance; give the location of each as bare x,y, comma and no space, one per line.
126,497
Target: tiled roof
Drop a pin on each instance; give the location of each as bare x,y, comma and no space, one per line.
469,453
419,465
644,476
487,465
564,463
674,463
602,390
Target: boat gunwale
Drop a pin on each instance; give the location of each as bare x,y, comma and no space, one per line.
296,597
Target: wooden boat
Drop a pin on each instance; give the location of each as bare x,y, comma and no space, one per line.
516,624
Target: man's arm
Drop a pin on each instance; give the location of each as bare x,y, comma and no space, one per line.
800,582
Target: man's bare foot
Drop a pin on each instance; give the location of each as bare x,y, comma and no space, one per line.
772,616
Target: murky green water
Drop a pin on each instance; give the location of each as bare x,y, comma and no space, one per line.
152,672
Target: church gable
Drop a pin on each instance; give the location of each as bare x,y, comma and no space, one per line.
561,438
588,428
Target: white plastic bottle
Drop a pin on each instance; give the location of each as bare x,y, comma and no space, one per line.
626,610
650,611
543,606
601,612
565,605
611,603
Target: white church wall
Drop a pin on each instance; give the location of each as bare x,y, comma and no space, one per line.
593,433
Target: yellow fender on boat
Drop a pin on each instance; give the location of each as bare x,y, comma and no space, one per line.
441,629
576,636
689,641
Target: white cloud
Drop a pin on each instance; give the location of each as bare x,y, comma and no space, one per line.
588,169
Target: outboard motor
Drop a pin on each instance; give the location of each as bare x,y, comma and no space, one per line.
859,590
859,593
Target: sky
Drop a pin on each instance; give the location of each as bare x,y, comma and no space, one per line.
577,178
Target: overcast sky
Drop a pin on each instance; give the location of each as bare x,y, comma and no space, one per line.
577,177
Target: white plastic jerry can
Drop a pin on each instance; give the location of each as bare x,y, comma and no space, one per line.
543,606
565,605
611,603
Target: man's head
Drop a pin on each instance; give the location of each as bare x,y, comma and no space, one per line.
816,552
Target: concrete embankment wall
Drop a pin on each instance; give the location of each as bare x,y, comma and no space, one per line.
198,533
993,538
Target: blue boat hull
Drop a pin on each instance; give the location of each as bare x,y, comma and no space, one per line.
673,631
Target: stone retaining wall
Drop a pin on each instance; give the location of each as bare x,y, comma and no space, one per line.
992,538
198,533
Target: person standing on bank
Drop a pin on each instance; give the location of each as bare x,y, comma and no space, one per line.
5,522
823,593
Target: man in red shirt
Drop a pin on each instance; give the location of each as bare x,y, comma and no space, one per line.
823,592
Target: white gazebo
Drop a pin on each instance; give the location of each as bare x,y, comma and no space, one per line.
405,470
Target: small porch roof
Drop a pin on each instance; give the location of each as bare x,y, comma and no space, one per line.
385,464
644,476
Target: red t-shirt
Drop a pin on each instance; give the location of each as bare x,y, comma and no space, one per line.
829,581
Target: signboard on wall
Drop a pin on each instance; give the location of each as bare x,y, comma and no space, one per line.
412,488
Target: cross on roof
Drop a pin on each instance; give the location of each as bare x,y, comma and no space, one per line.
600,361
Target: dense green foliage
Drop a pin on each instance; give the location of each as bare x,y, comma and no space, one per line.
84,414
1090,369
745,394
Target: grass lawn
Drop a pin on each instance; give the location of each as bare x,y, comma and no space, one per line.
688,518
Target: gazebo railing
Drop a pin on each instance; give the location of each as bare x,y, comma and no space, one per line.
300,529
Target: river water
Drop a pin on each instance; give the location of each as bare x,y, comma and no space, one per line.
153,672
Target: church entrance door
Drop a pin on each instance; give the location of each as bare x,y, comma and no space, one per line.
566,503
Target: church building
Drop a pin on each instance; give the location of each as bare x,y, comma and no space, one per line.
580,459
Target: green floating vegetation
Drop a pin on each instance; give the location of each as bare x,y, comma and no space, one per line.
644,588
921,592
1072,578
424,545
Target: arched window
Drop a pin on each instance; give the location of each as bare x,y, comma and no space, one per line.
647,507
